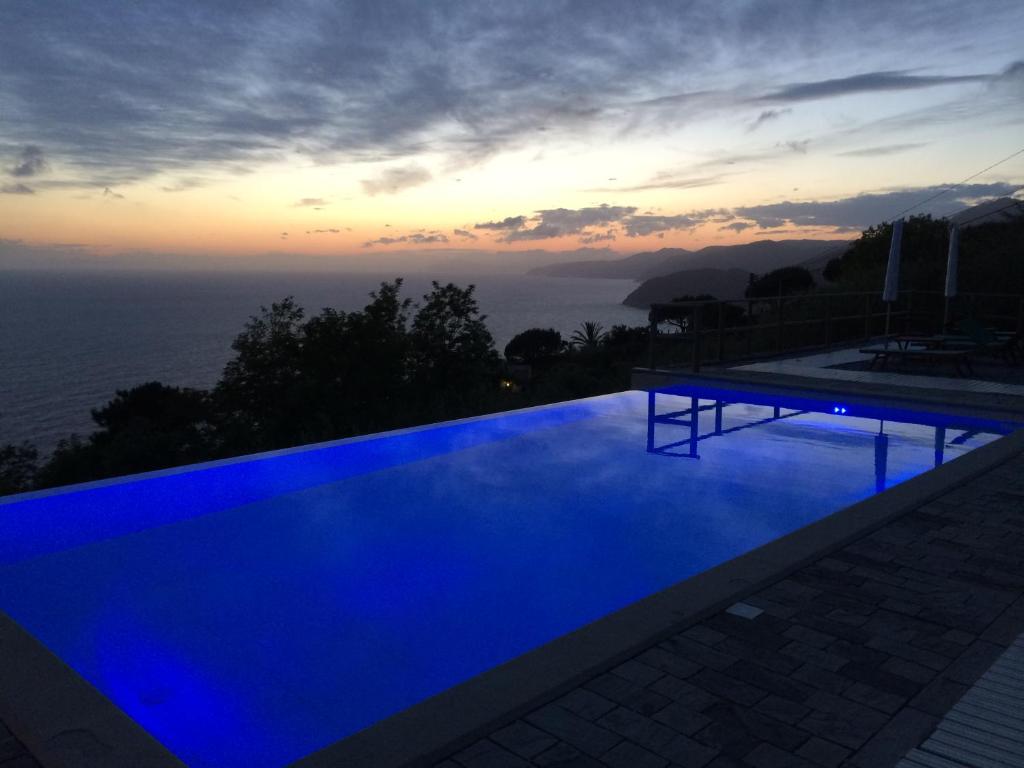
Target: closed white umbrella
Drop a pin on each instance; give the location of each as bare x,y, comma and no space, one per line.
892,270
892,273
952,264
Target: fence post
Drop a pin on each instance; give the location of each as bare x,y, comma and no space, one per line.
778,333
652,333
750,327
721,331
828,321
696,338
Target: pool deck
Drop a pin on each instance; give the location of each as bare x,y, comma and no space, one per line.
851,657
851,660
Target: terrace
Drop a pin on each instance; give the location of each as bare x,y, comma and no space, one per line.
845,642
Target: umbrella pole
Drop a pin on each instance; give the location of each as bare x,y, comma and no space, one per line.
945,315
888,313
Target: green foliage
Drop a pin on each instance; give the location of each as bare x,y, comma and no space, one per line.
151,426
534,345
453,366
588,336
991,257
784,281
732,314
18,467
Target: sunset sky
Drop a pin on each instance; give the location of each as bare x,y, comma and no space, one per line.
208,128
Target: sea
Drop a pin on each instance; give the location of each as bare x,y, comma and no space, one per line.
69,341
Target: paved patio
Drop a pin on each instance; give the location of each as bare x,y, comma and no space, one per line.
852,660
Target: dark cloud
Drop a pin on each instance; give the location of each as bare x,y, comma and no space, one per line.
184,184
108,192
416,239
667,181
862,211
738,226
641,226
766,116
16,189
512,222
558,222
30,162
864,83
464,233
330,231
311,202
395,180
598,237
887,149
800,147
124,91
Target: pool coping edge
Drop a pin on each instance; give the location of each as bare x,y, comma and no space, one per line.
441,725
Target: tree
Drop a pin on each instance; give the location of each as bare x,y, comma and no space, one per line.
588,336
784,281
732,314
18,467
257,395
151,426
453,364
534,345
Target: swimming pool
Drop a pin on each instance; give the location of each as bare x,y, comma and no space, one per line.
251,612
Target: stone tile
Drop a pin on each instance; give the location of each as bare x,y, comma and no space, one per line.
637,672
646,701
589,738
698,653
586,704
823,753
979,656
769,681
487,754
727,687
523,739
939,696
563,755
666,661
627,755
781,709
681,718
901,734
841,720
770,756
685,693
882,680
656,737
889,703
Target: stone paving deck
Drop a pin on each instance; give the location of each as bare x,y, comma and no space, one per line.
850,661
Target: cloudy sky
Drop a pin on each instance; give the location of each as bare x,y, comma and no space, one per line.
339,128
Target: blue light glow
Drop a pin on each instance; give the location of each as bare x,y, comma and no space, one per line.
248,613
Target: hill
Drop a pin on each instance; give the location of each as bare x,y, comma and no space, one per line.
760,256
722,283
636,267
992,212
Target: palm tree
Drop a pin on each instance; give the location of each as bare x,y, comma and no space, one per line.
588,335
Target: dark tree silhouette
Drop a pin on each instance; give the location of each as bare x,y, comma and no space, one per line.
784,281
18,467
534,345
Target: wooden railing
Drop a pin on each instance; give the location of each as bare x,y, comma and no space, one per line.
692,333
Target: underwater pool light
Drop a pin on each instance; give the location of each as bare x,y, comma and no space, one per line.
838,409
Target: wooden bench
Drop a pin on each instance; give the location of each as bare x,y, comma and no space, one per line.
882,354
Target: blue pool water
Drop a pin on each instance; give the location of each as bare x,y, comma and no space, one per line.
250,612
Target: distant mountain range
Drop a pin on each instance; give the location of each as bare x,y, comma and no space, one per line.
759,256
724,270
